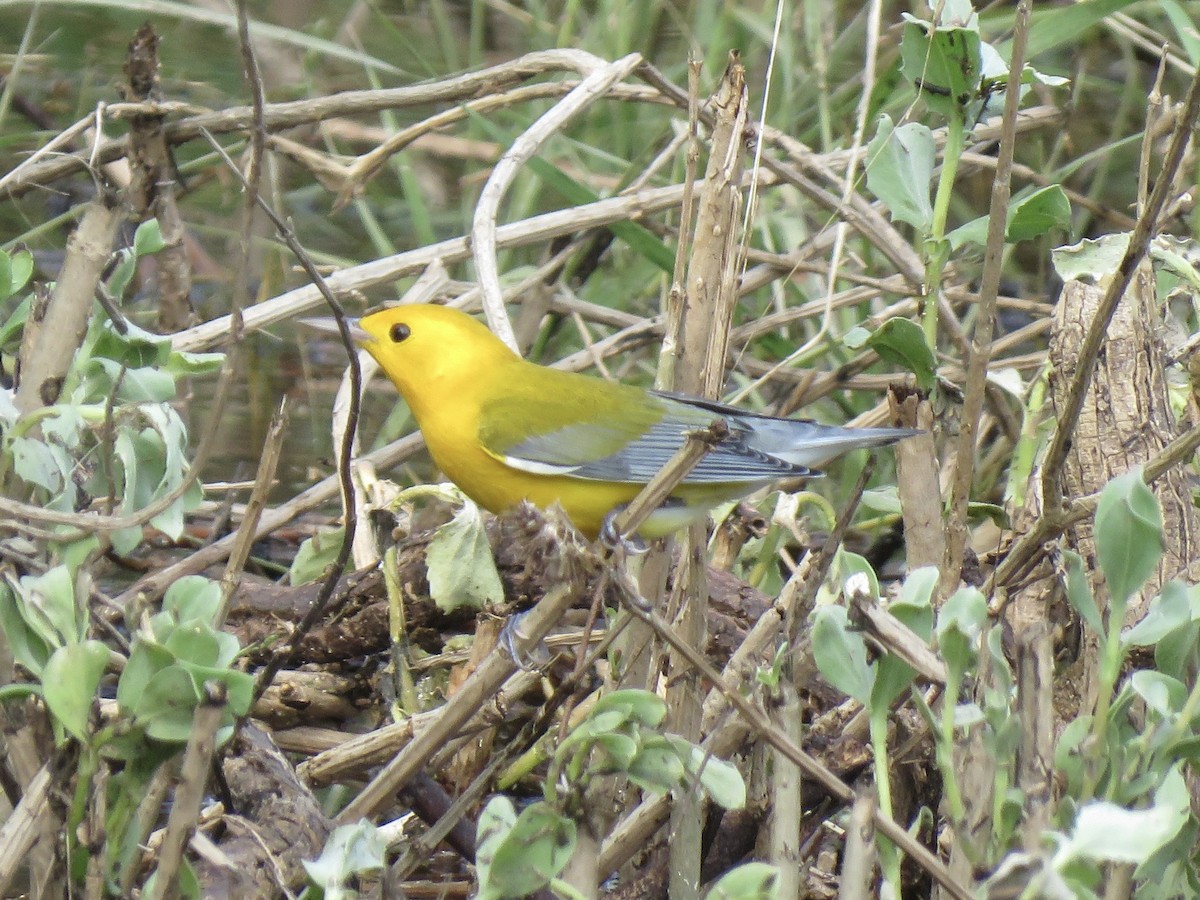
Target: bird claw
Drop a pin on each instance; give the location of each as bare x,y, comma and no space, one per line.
612,539
509,637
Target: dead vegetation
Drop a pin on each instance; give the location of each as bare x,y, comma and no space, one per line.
366,702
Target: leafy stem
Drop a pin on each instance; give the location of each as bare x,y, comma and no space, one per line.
937,250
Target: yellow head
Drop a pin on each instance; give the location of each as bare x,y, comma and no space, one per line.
431,351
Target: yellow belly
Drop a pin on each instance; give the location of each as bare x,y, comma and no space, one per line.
496,486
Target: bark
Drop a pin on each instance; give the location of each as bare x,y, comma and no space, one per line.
1126,419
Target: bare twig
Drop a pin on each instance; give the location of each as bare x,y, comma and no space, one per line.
245,534
280,116
483,229
981,337
53,336
186,807
380,271
686,458
24,825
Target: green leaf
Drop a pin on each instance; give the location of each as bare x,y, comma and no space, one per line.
972,232
316,555
1177,653
69,683
943,63
848,564
596,724
64,426
960,625
1092,261
193,597
893,677
914,609
535,850
720,780
916,593
167,706
44,465
640,706
656,768
48,605
11,330
351,850
19,691
122,273
1162,693
902,343
194,642
1027,217
135,348
1079,592
1105,832
1068,758
148,238
181,364
1036,214
619,751
495,824
146,658
239,686
15,271
126,540
900,170
1128,535
141,384
882,500
26,643
840,654
21,269
749,881
462,571
1168,611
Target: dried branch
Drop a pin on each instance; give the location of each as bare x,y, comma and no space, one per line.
985,319
483,230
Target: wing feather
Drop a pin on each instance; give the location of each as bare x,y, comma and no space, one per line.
558,452
629,442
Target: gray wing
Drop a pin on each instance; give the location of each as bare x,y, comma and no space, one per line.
572,451
800,442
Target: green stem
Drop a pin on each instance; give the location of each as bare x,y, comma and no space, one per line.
1110,668
889,858
936,251
945,750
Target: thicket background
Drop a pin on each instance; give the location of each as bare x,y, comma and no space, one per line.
1031,732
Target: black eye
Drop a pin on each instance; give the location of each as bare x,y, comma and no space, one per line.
399,332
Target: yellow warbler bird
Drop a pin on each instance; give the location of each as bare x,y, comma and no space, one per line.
505,430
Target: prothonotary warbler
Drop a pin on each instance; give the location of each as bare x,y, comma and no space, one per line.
505,430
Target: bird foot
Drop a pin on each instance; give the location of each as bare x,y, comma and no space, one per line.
612,539
508,638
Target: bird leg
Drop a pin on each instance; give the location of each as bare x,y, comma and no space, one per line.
535,659
612,539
